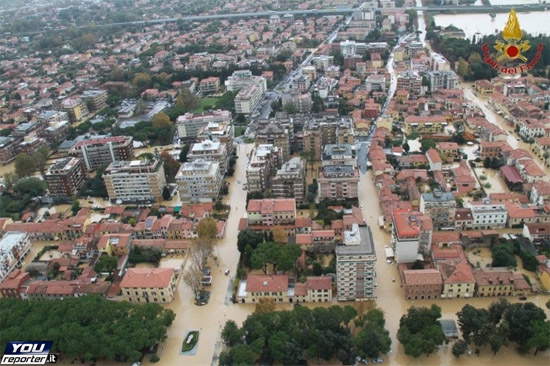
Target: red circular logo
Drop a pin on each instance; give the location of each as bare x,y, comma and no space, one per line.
512,51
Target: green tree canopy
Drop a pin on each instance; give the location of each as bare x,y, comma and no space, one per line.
25,165
88,327
420,332
31,186
373,339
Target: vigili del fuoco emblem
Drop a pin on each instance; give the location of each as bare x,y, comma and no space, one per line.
511,59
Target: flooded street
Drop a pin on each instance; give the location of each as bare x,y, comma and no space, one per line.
209,319
494,118
8,168
391,300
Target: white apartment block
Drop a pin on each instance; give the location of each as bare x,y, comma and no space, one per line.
248,98
244,78
355,265
489,216
14,246
135,181
208,150
199,181
189,125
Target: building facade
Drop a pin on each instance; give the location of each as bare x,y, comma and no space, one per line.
135,181
489,216
199,181
14,246
149,285
65,177
290,180
263,162
214,151
270,212
100,151
355,265
440,206
411,235
189,125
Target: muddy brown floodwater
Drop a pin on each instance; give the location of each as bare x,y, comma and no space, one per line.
209,319
390,299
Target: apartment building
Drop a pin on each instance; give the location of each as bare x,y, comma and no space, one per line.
442,80
299,102
149,285
209,85
14,246
440,206
290,180
425,125
241,79
135,180
250,90
65,177
248,99
488,216
270,212
355,265
8,149
189,125
338,182
95,99
338,154
276,135
410,81
100,151
325,130
76,109
199,181
214,151
262,164
218,131
411,235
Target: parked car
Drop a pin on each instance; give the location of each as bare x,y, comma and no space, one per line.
206,280
206,271
226,272
202,298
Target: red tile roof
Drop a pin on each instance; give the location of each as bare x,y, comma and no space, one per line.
460,273
147,278
433,156
409,224
265,206
319,283
262,283
417,277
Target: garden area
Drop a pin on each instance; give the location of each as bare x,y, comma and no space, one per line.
190,341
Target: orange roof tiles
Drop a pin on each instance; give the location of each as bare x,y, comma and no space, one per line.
147,278
263,283
422,277
265,206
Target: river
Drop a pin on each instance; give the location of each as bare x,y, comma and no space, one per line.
532,22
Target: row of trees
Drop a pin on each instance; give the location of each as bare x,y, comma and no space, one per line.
502,324
293,337
201,250
88,328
